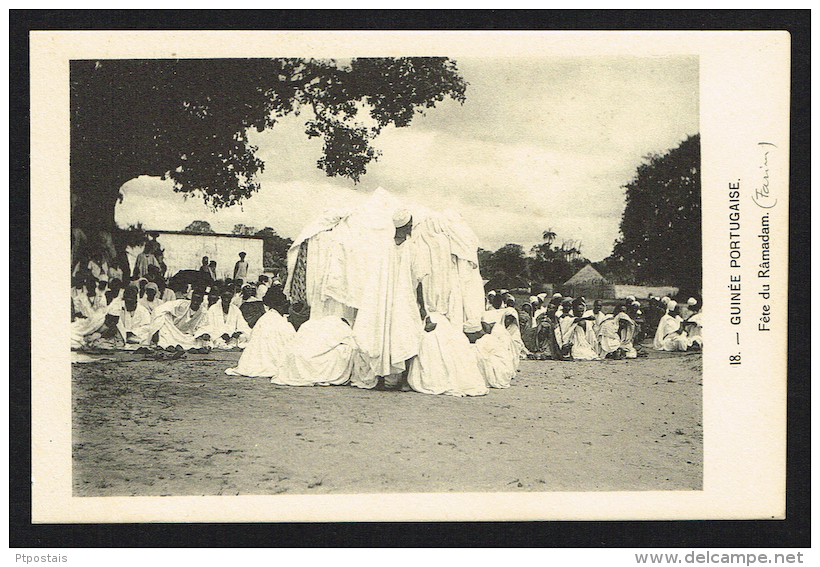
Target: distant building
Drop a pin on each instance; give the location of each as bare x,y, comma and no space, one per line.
644,291
588,282
184,251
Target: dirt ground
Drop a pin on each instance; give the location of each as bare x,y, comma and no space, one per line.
183,427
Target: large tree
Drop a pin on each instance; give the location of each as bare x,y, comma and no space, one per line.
660,239
188,120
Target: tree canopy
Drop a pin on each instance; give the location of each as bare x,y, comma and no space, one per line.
188,120
660,240
200,226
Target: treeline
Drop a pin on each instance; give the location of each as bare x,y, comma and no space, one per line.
660,240
511,268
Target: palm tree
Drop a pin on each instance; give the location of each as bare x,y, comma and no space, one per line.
549,236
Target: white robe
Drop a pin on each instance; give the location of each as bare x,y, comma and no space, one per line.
667,337
446,363
322,352
626,330
218,323
495,363
607,331
267,349
82,330
137,322
584,342
498,316
178,324
695,332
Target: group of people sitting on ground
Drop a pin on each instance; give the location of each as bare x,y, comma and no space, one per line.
146,312
562,328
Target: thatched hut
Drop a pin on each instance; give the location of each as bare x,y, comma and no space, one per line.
589,283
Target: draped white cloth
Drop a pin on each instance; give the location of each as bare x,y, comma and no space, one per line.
667,336
177,324
322,352
607,331
82,329
584,342
626,331
695,333
218,323
267,349
499,317
446,363
137,322
493,354
355,270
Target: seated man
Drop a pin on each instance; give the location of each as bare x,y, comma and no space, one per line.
151,299
225,327
507,317
493,354
547,332
694,327
134,323
176,322
251,307
577,331
671,335
445,363
616,333
268,348
102,324
322,352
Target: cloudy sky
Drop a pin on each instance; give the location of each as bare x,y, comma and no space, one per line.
539,143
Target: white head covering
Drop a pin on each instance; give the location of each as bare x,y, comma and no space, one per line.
533,299
691,301
665,300
630,298
542,296
671,305
556,295
401,217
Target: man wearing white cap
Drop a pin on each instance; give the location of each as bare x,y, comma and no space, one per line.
694,326
670,336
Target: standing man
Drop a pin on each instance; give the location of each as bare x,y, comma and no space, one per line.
240,269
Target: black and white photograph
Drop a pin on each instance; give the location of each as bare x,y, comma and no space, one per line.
393,274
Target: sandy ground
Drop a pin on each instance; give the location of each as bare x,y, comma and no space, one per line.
183,427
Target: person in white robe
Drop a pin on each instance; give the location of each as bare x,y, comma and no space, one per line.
507,317
598,312
268,348
175,323
616,334
134,323
446,363
670,335
322,352
694,326
151,299
628,327
225,327
578,331
492,352
102,324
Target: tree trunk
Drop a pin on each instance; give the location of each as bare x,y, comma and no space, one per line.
92,222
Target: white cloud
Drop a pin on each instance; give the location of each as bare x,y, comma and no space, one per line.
540,143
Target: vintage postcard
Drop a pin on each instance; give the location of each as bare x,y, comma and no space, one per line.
409,276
